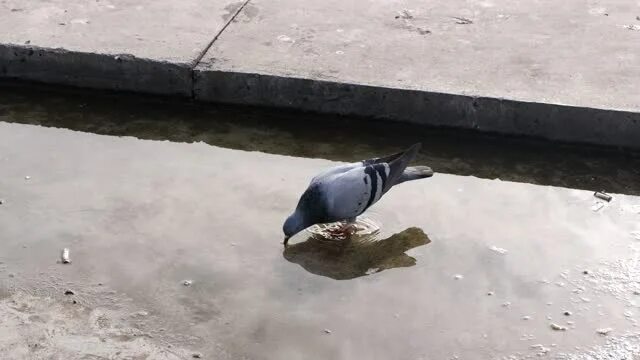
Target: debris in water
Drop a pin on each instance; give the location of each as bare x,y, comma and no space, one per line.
462,21
196,356
458,276
404,14
597,206
603,196
285,38
604,331
632,27
69,292
557,327
498,250
65,256
187,282
567,313
372,271
327,331
586,272
541,348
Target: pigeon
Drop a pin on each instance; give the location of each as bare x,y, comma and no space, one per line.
344,192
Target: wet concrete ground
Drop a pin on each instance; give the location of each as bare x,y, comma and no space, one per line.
466,266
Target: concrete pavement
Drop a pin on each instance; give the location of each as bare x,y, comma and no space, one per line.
565,72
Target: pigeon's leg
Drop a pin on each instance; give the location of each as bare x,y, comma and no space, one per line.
345,230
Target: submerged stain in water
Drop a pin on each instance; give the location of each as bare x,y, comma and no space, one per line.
356,256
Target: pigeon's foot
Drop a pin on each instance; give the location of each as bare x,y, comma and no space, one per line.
342,231
338,231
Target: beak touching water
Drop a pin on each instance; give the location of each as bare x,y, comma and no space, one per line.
286,240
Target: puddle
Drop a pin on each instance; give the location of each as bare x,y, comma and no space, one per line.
439,272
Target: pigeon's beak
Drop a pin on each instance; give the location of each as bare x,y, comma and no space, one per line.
286,240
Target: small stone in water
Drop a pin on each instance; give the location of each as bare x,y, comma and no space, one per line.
597,206
69,292
458,277
498,250
196,355
557,327
567,313
586,272
604,331
187,282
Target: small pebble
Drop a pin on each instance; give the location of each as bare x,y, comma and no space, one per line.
567,313
69,292
187,282
557,327
586,272
327,331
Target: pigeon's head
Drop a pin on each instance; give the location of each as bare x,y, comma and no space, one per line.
293,225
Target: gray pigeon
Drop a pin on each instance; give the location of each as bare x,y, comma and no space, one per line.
344,192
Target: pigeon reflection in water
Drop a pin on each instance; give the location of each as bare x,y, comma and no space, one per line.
355,256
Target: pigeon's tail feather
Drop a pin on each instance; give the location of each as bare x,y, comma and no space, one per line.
415,173
398,165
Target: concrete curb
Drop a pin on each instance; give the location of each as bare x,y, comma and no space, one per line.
91,70
509,117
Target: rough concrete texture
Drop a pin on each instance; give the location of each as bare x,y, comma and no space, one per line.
113,44
558,71
403,59
463,268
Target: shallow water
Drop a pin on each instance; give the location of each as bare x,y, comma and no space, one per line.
142,216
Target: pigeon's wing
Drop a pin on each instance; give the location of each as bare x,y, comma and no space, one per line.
348,194
351,189
336,170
